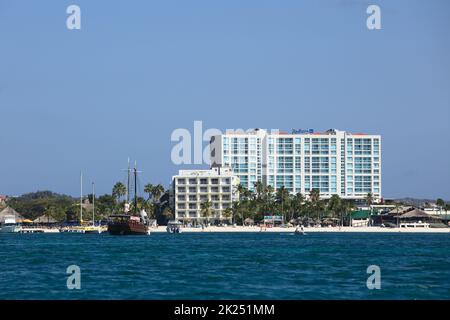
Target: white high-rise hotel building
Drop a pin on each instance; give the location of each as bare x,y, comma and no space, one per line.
335,162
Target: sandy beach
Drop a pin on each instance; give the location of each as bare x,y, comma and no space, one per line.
308,230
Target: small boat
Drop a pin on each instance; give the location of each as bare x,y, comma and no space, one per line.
173,227
9,224
301,231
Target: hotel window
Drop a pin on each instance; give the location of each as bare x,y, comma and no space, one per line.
181,189
214,189
192,214
203,198
214,197
192,206
298,183
315,165
363,184
181,206
226,197
203,181
192,181
225,189
298,147
203,189
307,183
192,198
307,146
192,189
307,165
333,184
298,165
333,164
215,181
181,198
333,147
285,165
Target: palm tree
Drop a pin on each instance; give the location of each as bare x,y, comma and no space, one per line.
282,198
268,199
334,205
369,201
167,213
206,210
227,214
259,188
314,198
157,192
118,191
297,204
148,188
236,208
241,189
346,207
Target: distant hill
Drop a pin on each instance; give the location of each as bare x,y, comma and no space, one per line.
43,195
416,202
34,204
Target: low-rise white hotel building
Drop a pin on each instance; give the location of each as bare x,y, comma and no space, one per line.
191,188
335,162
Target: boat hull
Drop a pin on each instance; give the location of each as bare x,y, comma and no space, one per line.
9,229
127,228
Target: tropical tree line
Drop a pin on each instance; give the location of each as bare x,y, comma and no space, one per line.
265,201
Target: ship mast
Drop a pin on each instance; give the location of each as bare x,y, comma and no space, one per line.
128,182
93,203
135,187
81,197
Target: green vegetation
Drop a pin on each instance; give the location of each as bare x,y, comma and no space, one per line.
67,208
264,201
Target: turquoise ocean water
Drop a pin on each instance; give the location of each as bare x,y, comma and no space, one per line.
225,266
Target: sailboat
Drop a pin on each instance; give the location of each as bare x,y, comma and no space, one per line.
83,228
93,228
126,223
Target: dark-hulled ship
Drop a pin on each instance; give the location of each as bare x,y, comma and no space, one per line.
129,224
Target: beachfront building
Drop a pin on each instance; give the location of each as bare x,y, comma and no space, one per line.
191,188
334,162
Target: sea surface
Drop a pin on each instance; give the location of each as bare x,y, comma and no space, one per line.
225,266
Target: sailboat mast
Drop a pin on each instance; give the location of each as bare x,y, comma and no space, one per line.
128,182
93,203
135,188
81,197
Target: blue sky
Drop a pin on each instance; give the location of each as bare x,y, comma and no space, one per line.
88,99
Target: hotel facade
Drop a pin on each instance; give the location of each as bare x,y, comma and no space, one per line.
334,162
191,188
